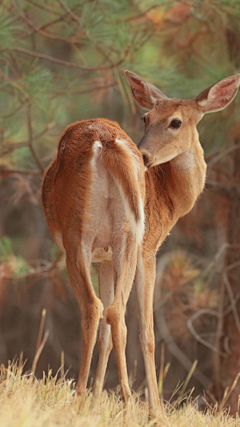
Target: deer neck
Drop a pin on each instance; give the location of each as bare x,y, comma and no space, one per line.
184,179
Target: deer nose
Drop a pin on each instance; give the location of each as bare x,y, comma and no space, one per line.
145,159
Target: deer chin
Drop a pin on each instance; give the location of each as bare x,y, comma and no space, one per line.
164,158
161,157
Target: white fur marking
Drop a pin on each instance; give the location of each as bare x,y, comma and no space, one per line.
170,129
203,102
58,239
186,161
125,145
96,147
140,282
100,255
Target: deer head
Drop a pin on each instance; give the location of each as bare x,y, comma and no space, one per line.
170,124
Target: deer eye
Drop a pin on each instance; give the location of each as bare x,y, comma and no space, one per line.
175,123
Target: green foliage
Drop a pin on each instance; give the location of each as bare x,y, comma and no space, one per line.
64,61
136,34
14,265
8,27
5,248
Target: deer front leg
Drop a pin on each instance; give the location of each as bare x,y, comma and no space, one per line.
106,290
144,286
91,311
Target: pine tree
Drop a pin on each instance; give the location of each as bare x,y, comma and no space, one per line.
63,60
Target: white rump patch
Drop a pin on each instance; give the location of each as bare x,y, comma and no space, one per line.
96,147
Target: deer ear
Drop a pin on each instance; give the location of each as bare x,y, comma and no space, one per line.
145,93
218,96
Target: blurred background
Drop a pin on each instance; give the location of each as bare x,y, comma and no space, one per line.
62,61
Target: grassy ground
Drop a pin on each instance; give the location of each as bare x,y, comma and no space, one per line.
27,402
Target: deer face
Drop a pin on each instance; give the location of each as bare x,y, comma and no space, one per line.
170,129
170,124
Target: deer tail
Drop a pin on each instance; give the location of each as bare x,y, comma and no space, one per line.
126,167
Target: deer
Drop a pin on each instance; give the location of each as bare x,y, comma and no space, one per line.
175,177
108,201
93,198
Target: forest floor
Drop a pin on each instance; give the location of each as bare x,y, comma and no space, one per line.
49,402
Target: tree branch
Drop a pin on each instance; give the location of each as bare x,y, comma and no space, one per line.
30,142
69,11
17,145
196,335
5,172
160,322
222,153
45,33
44,7
72,64
139,16
232,300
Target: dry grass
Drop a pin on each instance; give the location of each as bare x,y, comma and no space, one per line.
27,402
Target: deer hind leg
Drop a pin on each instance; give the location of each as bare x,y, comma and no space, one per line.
124,266
106,290
78,266
144,286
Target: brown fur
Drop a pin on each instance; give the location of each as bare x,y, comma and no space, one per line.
68,196
174,179
171,191
68,191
